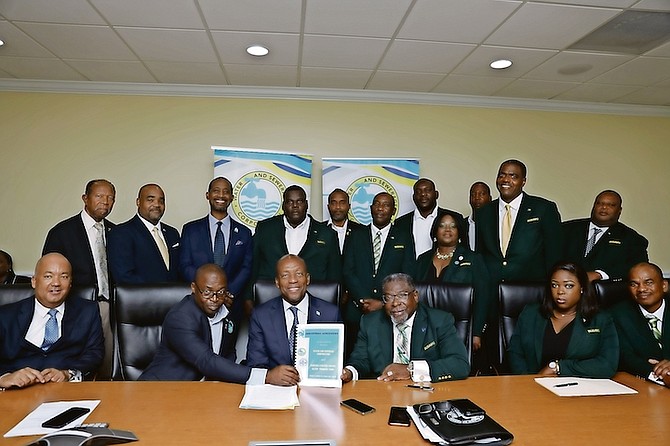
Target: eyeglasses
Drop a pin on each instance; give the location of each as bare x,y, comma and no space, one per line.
215,295
401,297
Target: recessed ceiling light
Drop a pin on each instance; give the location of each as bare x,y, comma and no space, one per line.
258,50
1,42
501,64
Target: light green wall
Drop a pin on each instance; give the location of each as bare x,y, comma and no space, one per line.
52,144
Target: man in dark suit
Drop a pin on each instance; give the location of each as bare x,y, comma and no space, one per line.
46,338
519,235
82,239
272,324
418,222
234,246
480,195
407,340
643,324
338,209
197,341
605,247
297,233
144,249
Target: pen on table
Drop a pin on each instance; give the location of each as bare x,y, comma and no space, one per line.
417,386
566,384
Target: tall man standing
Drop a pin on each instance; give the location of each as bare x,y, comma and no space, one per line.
217,238
480,194
338,209
604,246
144,249
82,239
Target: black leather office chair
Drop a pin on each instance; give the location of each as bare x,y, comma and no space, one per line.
455,298
14,293
610,292
512,298
265,290
139,313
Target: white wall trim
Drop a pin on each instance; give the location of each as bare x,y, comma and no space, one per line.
318,94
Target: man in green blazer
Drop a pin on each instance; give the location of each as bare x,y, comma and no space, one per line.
297,233
613,248
534,241
407,340
642,353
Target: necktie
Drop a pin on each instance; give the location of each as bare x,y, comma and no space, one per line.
161,246
377,248
101,254
592,241
506,228
294,332
401,341
219,245
653,324
50,330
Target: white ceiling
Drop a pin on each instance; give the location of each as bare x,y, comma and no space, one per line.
418,46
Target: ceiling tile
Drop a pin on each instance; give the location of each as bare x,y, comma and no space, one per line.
5,74
60,11
253,15
606,3
274,76
462,21
653,5
573,66
232,47
472,85
642,71
595,92
524,60
425,57
17,43
78,41
150,13
369,18
333,78
527,88
549,26
50,69
187,73
112,71
647,96
342,52
169,45
661,51
398,81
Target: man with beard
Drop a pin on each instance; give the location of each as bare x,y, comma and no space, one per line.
338,209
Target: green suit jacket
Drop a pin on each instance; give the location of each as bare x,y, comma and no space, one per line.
636,340
619,248
535,244
593,349
360,278
406,223
434,340
466,267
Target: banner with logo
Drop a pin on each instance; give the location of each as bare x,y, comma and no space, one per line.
259,179
363,178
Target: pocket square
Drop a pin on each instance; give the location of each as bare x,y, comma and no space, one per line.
531,220
176,245
429,345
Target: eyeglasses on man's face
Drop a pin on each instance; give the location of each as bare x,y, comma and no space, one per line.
215,295
401,297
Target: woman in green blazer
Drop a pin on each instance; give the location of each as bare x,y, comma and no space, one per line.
565,335
451,261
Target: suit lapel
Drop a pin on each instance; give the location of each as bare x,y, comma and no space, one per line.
538,331
419,330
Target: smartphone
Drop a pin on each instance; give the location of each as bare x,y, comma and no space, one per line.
467,407
398,416
66,417
357,406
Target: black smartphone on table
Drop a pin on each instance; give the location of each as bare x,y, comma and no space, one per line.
398,416
66,417
357,406
467,407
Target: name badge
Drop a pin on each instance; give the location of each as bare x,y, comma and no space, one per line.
429,345
534,219
593,330
614,242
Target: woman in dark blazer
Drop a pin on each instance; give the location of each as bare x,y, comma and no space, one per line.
7,276
452,261
565,335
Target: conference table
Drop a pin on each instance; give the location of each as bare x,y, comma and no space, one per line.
190,413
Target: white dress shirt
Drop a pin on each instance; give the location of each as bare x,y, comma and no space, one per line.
421,231
296,237
35,333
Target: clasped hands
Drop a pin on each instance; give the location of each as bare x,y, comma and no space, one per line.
28,376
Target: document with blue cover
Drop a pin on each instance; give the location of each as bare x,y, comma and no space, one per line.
319,354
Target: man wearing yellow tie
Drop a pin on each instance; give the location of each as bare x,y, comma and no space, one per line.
145,250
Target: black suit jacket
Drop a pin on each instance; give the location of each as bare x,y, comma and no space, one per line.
80,346
70,239
406,223
351,226
617,250
135,258
535,244
186,354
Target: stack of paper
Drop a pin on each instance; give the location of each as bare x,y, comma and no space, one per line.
32,423
270,397
567,386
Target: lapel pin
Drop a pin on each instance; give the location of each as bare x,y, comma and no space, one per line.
318,313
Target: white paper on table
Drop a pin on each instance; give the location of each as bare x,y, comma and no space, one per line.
32,423
270,397
426,432
584,386
319,355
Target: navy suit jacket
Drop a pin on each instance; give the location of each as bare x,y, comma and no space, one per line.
70,239
186,354
135,258
196,250
80,346
268,344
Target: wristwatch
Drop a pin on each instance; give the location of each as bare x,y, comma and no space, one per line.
74,375
553,365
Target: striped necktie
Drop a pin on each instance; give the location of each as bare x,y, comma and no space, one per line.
402,344
592,241
294,332
377,249
653,324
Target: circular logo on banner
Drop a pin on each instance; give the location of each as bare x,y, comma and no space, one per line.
362,191
258,195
